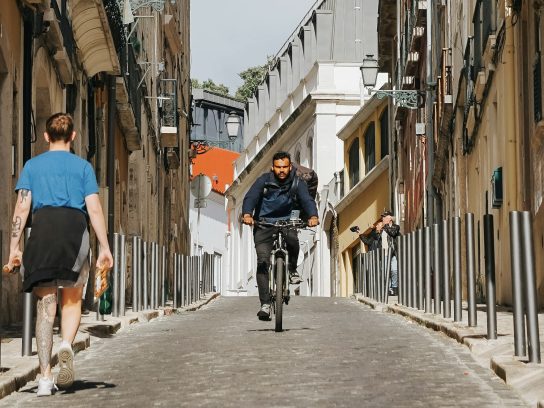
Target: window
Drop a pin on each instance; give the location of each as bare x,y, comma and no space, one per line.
354,163
297,157
370,148
384,133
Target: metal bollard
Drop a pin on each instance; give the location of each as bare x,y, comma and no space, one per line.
184,282
175,285
471,278
388,255
489,249
123,281
517,283
531,307
419,267
428,239
446,306
164,273
135,272
409,272
140,288
456,260
402,269
413,295
145,298
436,267
27,315
115,288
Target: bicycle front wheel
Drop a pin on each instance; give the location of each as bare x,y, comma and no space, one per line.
280,270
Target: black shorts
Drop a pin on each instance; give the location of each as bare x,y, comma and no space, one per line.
56,253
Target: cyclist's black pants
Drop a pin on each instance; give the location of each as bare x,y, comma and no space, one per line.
264,240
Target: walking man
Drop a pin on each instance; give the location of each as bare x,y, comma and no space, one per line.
61,190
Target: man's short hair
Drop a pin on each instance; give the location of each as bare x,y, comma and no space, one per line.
386,213
280,156
60,126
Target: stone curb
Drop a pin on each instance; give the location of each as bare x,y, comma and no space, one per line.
28,368
526,379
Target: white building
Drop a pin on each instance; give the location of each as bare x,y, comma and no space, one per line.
209,225
313,90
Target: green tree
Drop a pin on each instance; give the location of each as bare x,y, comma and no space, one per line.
210,85
252,78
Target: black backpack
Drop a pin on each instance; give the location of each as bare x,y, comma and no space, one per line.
310,177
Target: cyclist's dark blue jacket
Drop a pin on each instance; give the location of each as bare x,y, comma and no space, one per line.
271,199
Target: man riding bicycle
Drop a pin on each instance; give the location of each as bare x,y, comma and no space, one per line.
271,198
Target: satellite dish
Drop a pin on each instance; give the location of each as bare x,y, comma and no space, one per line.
201,186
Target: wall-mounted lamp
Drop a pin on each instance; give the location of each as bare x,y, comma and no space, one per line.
404,98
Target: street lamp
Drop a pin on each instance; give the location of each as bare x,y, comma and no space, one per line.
404,98
233,124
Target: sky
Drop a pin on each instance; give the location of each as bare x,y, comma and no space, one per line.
228,36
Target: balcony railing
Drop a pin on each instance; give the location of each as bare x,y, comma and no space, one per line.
132,75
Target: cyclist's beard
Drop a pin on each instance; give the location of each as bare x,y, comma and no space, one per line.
284,179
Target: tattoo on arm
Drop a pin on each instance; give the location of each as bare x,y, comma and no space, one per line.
16,227
24,195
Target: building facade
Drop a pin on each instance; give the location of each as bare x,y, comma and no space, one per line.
110,68
311,92
474,144
364,190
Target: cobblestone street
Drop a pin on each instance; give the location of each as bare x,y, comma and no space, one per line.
334,352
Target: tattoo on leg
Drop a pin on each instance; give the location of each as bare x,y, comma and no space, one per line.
46,309
16,227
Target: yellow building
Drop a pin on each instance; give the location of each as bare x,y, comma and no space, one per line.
366,184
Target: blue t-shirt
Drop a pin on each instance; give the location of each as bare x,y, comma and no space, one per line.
58,179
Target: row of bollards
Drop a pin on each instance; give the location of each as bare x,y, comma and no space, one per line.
375,274
430,267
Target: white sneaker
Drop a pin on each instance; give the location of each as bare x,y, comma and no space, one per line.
46,387
65,377
264,312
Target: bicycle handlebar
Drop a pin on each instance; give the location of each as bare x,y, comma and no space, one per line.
296,223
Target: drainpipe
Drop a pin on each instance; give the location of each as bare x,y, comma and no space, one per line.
28,39
511,184
429,126
91,120
111,157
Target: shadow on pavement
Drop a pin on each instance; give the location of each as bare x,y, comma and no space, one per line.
78,385
284,330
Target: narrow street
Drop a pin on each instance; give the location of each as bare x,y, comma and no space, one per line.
334,352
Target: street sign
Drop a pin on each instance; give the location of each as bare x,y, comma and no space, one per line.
201,186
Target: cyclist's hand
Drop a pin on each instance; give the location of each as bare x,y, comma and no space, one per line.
313,221
247,219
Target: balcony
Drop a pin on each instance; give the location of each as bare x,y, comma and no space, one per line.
412,63
129,97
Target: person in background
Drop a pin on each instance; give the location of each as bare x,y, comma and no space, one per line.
390,232
61,190
372,239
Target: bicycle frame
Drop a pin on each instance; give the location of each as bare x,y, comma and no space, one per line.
278,247
277,274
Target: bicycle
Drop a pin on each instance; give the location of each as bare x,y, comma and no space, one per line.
279,258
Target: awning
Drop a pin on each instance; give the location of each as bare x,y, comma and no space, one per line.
93,37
